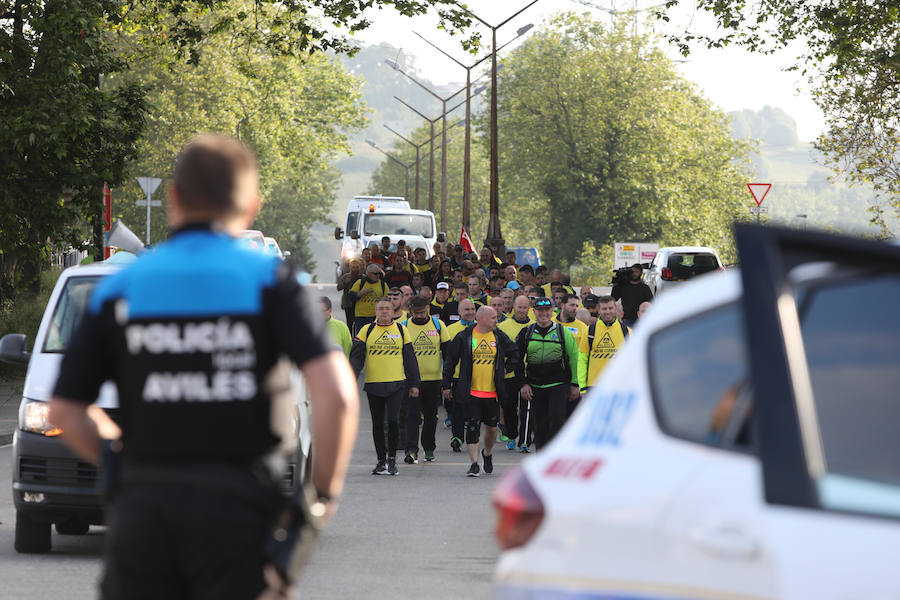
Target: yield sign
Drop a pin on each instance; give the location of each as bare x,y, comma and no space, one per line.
149,184
759,191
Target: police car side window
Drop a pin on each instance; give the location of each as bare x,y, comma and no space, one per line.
698,376
851,335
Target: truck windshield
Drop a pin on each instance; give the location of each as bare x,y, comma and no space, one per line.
399,224
68,311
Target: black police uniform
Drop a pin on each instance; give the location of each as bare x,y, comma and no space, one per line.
193,334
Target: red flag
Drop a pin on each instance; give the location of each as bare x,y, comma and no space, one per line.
465,242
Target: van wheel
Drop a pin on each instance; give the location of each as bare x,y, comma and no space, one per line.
72,527
32,537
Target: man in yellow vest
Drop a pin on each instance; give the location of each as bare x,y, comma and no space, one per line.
386,351
364,294
483,354
429,339
513,407
605,338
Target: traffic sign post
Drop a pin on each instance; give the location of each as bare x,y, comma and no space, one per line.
759,191
149,185
107,215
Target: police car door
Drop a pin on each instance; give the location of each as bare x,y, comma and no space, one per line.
823,331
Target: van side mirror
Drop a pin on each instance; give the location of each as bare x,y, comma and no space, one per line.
354,234
442,237
338,233
12,349
286,253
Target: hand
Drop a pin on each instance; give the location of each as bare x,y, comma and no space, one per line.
574,392
526,392
364,292
448,394
413,392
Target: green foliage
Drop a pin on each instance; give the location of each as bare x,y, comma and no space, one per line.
23,315
853,65
593,267
601,140
63,132
293,113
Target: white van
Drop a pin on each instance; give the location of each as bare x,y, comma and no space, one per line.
369,218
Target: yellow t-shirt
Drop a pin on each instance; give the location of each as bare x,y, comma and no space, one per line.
511,328
452,332
484,355
420,268
365,305
607,341
384,352
546,287
426,341
404,315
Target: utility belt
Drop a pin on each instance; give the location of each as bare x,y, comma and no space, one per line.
295,517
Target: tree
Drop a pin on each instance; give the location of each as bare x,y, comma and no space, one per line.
602,141
63,132
67,130
853,63
294,114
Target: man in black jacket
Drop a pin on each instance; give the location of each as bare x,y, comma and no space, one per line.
484,354
632,294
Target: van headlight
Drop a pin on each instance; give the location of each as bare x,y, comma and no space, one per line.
33,418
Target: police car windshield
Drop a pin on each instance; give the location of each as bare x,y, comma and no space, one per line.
67,313
398,224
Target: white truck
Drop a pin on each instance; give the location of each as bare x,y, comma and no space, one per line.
369,218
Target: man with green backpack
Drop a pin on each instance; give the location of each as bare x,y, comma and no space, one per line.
550,370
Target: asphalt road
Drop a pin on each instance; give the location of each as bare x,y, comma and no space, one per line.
426,532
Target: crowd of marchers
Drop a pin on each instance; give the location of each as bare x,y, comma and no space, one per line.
506,349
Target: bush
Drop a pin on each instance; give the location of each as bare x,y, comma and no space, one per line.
23,315
594,266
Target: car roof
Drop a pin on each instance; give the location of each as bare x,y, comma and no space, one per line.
671,249
92,269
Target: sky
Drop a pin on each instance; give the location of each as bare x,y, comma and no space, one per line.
732,78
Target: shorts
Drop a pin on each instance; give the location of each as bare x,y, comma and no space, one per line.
483,410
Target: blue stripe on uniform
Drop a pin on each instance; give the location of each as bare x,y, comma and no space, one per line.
196,273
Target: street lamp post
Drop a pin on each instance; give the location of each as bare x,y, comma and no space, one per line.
418,148
431,123
443,100
467,156
494,238
396,160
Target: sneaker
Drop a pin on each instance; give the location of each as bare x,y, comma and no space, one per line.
429,457
524,449
503,437
392,466
488,462
511,445
456,444
411,458
473,470
380,468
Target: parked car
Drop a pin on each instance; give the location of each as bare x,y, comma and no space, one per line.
675,265
273,247
254,238
51,485
742,445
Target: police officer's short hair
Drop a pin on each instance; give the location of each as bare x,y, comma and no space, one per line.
215,174
326,301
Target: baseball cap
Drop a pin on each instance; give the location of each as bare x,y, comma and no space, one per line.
590,301
513,285
543,303
442,286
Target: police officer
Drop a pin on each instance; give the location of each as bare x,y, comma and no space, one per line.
197,349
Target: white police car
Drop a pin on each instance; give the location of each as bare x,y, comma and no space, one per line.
743,445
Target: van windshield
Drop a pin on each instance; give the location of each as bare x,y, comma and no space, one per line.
399,224
67,313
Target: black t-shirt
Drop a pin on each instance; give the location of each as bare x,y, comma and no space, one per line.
193,335
632,295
